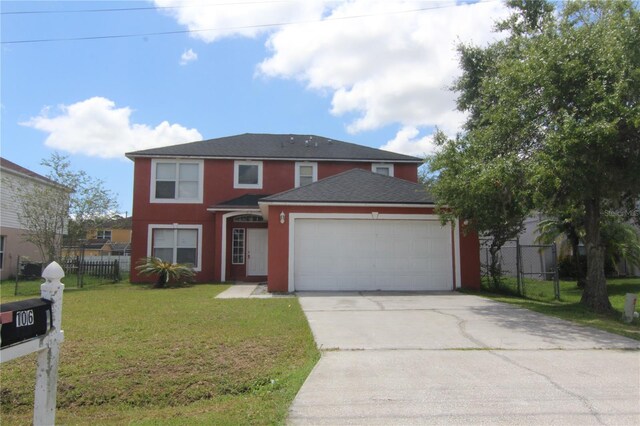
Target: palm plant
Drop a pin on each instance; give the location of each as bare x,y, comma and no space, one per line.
166,271
621,239
569,224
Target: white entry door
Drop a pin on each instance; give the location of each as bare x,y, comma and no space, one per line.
257,251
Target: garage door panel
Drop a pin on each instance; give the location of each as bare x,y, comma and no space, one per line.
340,254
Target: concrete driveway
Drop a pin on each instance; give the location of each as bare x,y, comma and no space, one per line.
449,358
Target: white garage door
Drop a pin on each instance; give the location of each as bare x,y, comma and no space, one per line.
341,254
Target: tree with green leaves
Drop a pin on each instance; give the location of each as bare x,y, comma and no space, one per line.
90,204
490,197
45,211
559,97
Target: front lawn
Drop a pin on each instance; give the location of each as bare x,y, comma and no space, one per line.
539,297
171,356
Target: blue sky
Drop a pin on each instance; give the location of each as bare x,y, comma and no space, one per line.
365,71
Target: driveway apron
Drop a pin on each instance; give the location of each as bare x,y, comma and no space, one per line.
393,358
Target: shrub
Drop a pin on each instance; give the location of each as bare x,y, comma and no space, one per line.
167,272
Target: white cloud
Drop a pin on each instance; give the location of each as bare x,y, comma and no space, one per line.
383,62
188,56
96,128
386,68
407,142
211,20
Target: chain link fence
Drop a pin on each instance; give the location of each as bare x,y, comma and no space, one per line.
522,264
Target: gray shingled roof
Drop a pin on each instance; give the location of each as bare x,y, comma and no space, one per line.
272,146
247,200
356,186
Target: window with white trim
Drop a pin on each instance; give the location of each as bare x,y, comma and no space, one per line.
176,244
247,174
385,169
103,234
176,181
237,246
306,173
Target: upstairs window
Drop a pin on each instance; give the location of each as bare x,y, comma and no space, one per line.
103,234
382,169
177,181
247,174
306,173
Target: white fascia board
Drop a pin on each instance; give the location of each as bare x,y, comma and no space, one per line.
302,204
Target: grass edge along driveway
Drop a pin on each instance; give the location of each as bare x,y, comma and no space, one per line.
539,298
135,355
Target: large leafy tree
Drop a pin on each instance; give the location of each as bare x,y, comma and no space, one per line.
90,203
46,210
560,94
489,195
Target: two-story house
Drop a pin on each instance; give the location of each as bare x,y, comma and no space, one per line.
13,235
300,212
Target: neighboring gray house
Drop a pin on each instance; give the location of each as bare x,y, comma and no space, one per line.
12,241
539,261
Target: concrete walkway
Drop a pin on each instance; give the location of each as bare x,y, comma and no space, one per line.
461,359
238,291
248,290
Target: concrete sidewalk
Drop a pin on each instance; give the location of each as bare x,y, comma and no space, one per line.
249,290
461,359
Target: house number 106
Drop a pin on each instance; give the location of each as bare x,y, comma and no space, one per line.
24,318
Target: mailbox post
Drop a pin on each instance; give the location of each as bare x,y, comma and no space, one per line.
47,345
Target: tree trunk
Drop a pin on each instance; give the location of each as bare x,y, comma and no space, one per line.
162,280
594,295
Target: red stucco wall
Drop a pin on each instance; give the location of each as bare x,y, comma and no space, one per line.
470,260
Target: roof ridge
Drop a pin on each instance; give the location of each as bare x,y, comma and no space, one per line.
299,146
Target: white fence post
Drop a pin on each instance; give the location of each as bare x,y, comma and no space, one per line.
47,347
44,407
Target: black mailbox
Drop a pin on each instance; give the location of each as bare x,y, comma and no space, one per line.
24,320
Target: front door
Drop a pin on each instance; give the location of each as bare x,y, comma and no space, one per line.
256,252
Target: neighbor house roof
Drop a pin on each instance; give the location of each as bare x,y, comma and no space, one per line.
276,146
13,167
355,186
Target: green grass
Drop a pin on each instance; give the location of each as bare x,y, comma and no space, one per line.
539,297
135,355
